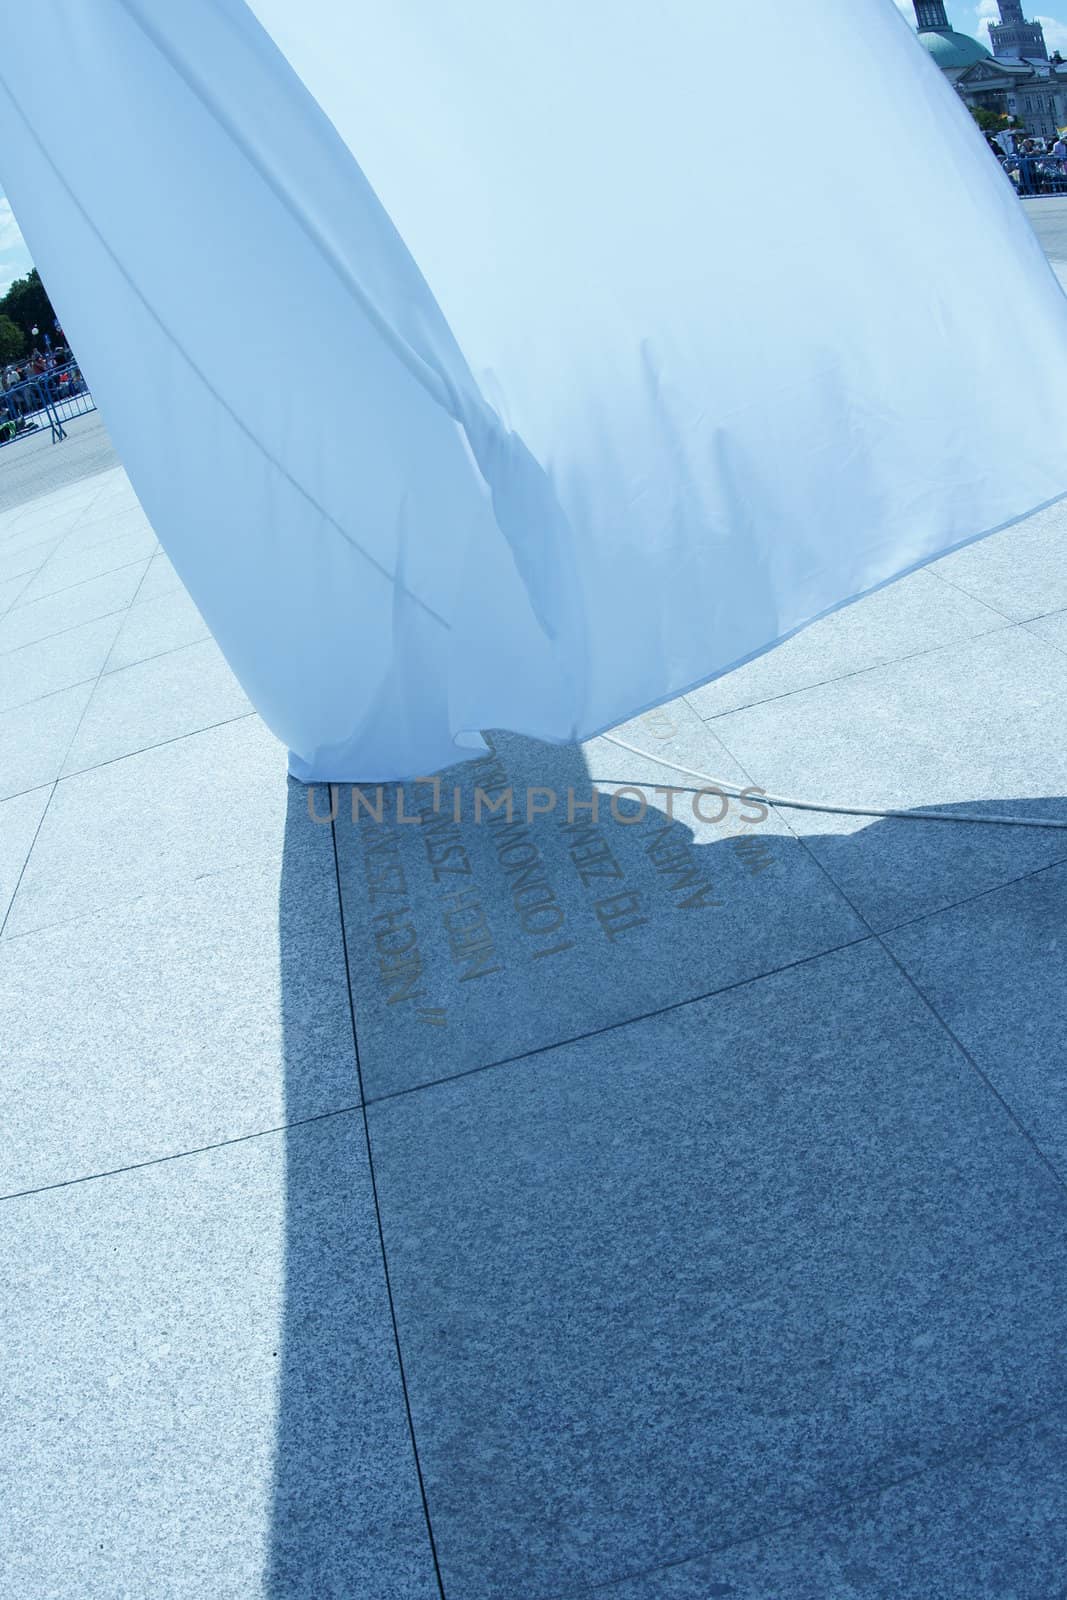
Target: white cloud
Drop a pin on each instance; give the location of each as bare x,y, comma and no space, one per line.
986,11
10,233
15,259
1055,34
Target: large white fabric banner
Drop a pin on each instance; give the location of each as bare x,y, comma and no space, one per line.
522,363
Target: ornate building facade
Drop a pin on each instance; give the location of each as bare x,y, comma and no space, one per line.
1018,79
952,51
1014,36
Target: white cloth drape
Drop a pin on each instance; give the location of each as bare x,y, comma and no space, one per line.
522,363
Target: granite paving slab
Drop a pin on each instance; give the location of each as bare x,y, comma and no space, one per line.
894,871
160,578
916,614
996,971
757,1294
20,818
36,468
990,1524
46,519
211,1011
10,589
157,700
1020,572
154,627
198,805
48,512
1053,629
20,533
35,738
22,560
474,941
200,1388
96,597
65,568
672,1286
104,524
112,482
980,728
75,656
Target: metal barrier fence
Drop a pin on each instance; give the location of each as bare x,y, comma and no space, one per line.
1033,175
46,400
68,394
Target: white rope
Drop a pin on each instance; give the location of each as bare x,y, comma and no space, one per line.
734,792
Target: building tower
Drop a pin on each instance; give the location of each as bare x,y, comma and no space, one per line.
930,16
1014,36
953,52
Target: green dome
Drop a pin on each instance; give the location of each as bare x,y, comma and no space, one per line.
953,52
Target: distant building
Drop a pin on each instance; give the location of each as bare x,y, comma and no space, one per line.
1017,80
1014,36
1033,93
954,52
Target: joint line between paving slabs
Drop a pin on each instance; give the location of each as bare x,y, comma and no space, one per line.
55,781
1013,1117
378,1220
613,1027
1017,1123
29,852
821,1514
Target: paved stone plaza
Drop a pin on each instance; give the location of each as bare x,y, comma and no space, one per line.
659,1210
1048,217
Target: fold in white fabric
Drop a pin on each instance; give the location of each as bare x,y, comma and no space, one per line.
489,365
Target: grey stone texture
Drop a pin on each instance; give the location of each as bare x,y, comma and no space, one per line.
662,1208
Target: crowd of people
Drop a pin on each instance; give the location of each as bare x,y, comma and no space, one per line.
35,365
1035,165
44,377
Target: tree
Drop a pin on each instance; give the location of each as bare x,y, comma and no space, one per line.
28,306
12,344
988,121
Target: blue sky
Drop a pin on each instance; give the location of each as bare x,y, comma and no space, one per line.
14,257
970,16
